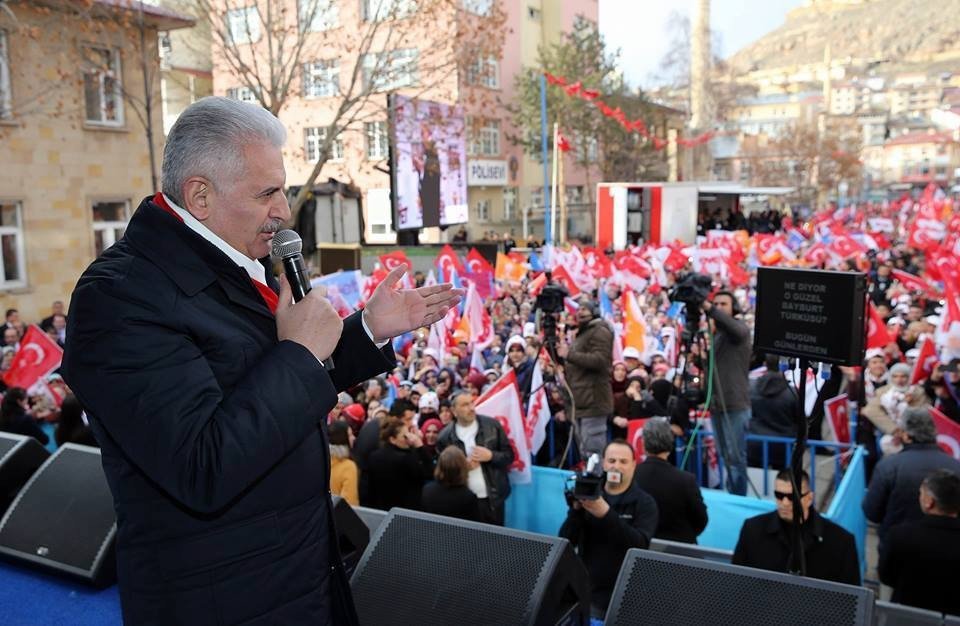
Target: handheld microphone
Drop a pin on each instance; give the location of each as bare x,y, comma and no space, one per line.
288,247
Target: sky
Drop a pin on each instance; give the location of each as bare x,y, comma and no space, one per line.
639,28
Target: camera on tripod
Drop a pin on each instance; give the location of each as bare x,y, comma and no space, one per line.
549,306
692,290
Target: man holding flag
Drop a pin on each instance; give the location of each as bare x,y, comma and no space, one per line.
489,455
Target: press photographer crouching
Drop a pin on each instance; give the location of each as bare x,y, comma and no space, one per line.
609,514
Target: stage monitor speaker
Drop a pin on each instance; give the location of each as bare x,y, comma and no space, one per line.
892,614
62,520
430,569
353,535
371,517
20,457
668,590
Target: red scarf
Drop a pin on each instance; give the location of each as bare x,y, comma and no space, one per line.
269,297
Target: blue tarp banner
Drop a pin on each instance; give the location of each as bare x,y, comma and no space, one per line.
541,508
846,509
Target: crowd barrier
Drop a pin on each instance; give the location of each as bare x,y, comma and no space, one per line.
540,506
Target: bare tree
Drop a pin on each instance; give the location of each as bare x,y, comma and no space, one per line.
265,44
808,162
119,23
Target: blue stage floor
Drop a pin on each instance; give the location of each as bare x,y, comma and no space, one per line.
32,598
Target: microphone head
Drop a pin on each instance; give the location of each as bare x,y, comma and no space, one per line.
286,243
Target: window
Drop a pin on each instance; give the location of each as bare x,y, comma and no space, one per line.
479,7
6,108
314,141
321,79
380,10
101,86
243,25
574,194
318,15
533,13
484,71
377,141
536,198
12,259
510,203
109,223
482,208
243,94
390,70
587,150
483,137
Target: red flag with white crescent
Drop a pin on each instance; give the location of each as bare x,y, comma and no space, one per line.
502,402
926,361
447,260
948,433
477,264
838,413
37,357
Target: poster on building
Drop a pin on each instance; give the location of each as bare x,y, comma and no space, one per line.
429,164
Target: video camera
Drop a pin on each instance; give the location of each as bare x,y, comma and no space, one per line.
588,483
549,306
692,290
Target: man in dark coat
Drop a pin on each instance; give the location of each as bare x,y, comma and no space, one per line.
920,554
730,404
489,455
766,540
682,515
623,517
206,390
588,361
774,407
892,494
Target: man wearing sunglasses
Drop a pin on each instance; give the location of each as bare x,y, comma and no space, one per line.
765,540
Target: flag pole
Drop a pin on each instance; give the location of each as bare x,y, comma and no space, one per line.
562,197
553,195
543,155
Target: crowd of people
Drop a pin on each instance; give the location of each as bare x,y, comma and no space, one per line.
413,438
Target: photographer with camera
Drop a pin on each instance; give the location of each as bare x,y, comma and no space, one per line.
587,364
730,402
608,515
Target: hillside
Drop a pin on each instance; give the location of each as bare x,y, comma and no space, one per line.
894,31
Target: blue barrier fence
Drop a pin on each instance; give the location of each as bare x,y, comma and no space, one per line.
540,507
768,444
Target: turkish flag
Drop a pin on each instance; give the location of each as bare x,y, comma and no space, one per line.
911,282
502,402
635,437
394,259
562,276
536,285
877,334
948,433
838,412
447,261
37,357
926,361
477,264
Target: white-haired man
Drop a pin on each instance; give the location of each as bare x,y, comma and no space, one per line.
206,391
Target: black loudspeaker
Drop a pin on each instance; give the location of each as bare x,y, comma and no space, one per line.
670,590
20,457
353,535
371,517
430,569
63,520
